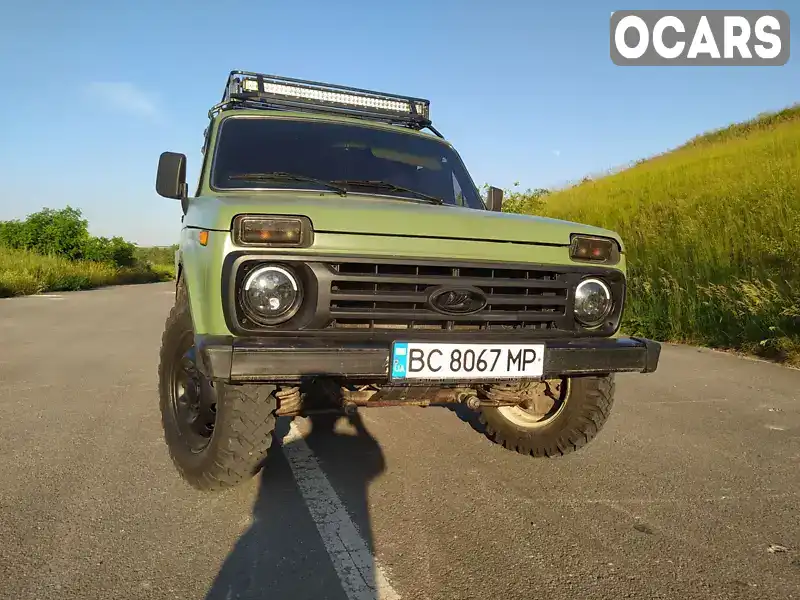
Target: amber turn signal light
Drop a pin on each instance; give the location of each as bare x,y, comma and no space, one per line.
594,249
251,230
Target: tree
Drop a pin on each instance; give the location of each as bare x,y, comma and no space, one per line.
57,232
64,233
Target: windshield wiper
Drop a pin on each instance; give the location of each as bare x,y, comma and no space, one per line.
281,175
373,183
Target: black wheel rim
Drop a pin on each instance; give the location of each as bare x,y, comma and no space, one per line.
192,398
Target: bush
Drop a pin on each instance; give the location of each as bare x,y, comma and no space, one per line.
157,255
65,233
115,250
49,232
13,234
527,202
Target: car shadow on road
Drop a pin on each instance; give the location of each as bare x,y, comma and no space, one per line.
282,554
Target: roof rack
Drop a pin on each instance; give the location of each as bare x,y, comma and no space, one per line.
245,89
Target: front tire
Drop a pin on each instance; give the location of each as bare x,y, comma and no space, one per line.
578,413
218,435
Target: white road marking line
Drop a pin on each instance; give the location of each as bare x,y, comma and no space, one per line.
362,578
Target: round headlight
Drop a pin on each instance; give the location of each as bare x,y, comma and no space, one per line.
592,302
270,294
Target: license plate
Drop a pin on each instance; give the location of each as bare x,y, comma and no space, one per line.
415,360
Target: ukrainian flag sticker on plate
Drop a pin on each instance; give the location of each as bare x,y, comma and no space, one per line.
400,360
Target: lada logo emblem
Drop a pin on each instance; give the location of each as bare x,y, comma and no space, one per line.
457,300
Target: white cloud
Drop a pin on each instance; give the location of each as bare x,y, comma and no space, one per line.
556,152
126,97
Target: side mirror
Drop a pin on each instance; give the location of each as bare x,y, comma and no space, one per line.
494,199
171,176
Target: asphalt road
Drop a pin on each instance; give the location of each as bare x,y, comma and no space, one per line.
695,477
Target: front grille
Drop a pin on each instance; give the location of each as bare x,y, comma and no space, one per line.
386,296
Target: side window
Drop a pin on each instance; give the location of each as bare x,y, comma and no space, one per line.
204,159
457,193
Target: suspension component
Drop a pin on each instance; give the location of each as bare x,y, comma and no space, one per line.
290,401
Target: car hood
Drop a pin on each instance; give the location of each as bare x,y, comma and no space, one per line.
374,215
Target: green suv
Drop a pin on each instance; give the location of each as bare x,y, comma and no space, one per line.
338,255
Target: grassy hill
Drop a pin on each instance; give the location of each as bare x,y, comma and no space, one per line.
713,236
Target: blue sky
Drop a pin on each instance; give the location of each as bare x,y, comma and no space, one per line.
94,91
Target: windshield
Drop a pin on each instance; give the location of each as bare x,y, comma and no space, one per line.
250,151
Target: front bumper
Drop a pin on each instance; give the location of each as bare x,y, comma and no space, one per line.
264,359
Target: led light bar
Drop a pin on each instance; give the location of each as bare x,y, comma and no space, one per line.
245,86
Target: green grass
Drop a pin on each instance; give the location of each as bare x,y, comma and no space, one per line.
712,231
23,273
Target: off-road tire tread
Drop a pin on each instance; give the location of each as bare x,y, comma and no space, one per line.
594,410
245,421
